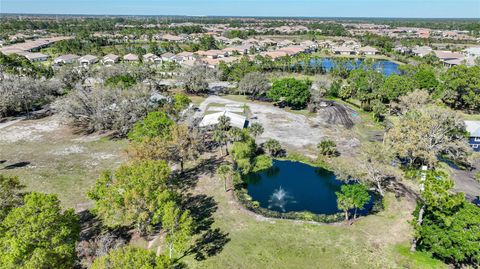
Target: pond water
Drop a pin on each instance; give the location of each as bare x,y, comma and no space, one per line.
294,186
386,67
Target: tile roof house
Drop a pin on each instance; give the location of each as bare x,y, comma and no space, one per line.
110,59
421,51
167,56
88,60
130,57
473,128
343,50
66,59
152,58
35,56
368,50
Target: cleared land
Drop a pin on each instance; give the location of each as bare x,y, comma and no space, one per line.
49,157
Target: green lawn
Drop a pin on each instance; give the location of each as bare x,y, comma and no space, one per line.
377,241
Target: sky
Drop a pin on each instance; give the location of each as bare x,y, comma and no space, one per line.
294,8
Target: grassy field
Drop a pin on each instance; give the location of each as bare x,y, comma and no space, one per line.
49,157
376,241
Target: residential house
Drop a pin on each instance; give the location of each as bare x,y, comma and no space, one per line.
184,57
343,50
66,59
130,57
472,51
35,56
152,58
421,51
88,60
110,59
473,128
368,50
168,57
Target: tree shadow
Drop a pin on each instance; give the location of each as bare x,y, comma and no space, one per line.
16,165
188,179
209,244
400,190
201,209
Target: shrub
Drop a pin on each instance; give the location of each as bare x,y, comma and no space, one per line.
261,162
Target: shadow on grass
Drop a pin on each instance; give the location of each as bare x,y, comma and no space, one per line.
16,165
211,241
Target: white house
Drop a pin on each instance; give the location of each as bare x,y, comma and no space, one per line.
368,50
130,57
150,57
66,59
88,60
110,59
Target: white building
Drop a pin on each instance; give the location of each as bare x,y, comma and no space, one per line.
236,120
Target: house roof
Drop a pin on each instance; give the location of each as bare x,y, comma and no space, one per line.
111,57
447,55
168,55
33,55
236,120
368,49
89,58
130,57
473,128
67,57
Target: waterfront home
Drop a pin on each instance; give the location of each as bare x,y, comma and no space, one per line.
367,50
343,50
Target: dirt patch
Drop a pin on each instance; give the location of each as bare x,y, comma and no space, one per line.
294,131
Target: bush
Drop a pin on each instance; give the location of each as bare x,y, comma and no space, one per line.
261,162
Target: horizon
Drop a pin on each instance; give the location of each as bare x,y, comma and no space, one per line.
401,9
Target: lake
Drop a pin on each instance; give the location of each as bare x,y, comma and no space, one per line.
294,186
386,67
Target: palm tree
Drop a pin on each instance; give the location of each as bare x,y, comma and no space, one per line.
220,135
256,129
273,147
327,147
224,172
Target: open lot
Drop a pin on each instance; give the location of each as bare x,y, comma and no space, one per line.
295,131
49,157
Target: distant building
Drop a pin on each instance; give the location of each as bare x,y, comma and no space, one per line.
368,50
110,59
421,51
344,50
168,57
66,59
88,60
35,56
473,128
236,120
152,58
130,57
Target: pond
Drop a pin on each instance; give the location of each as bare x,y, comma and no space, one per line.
386,67
293,186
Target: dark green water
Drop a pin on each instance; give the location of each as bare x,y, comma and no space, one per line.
294,186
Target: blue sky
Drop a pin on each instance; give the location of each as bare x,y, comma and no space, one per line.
310,8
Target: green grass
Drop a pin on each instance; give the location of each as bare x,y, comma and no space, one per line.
371,242
417,259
